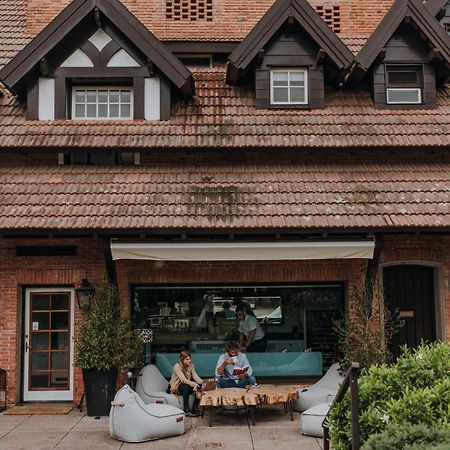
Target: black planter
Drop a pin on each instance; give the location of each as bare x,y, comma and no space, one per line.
99,391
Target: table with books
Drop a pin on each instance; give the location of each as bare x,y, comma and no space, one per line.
230,398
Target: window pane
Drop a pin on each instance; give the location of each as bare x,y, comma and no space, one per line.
113,110
103,96
125,96
297,78
403,95
80,111
39,341
125,110
60,301
59,379
102,110
92,96
298,95
114,96
60,361
91,110
40,321
60,321
40,302
59,340
280,95
80,96
280,78
39,360
39,380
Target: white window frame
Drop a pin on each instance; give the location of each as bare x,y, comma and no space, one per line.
100,88
415,89
289,71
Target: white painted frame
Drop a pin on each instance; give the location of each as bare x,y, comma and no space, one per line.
289,71
109,88
56,395
418,90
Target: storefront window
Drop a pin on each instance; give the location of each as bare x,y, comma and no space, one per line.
294,319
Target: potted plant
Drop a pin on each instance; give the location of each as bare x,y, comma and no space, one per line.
105,345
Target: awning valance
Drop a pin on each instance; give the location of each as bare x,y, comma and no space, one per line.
243,251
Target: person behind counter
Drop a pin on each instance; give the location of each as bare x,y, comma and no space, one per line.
185,381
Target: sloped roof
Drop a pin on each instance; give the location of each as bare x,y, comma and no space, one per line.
435,6
420,15
227,197
271,22
71,16
225,116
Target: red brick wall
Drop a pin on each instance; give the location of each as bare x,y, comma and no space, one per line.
232,19
16,273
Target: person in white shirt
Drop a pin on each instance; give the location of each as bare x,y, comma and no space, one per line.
231,362
252,337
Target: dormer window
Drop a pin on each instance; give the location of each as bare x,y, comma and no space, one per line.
403,84
100,103
289,87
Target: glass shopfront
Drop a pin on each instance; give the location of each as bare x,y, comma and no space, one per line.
296,319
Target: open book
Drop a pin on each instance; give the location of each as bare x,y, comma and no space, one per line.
240,370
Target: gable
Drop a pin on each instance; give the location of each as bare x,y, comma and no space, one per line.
306,18
78,23
405,11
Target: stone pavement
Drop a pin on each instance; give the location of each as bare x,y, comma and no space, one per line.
273,431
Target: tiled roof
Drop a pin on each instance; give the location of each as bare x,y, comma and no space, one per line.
221,115
300,196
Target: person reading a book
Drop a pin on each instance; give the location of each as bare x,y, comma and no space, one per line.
233,368
252,337
185,381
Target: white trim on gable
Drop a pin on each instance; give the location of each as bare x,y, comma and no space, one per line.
100,39
46,109
78,59
122,59
152,104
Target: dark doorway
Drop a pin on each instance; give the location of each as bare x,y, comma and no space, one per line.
410,290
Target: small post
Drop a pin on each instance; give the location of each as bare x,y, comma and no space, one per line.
354,404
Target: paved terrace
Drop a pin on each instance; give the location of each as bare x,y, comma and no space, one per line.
75,430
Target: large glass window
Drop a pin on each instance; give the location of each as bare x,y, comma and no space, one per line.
294,319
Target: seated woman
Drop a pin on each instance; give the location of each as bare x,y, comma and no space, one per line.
185,382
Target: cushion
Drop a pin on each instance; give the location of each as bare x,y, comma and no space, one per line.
312,419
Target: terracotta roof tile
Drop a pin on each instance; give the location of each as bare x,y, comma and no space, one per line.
226,116
304,196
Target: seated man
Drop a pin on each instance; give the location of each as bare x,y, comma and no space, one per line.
233,368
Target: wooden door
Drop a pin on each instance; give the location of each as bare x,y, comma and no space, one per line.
48,352
410,290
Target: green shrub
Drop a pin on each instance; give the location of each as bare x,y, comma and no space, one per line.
409,437
416,389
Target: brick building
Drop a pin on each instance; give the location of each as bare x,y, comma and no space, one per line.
266,153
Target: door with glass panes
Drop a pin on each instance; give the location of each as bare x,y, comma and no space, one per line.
48,345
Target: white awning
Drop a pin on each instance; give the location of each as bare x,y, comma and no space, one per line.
243,251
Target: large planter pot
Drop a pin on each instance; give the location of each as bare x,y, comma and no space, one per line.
99,390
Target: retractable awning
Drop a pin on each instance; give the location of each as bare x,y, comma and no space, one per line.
243,251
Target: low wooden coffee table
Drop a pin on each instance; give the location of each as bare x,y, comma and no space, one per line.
235,397
271,394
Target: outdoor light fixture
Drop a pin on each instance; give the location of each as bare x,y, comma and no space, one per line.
84,293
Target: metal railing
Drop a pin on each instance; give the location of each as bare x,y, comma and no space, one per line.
350,381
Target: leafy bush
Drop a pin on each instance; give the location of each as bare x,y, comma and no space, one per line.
105,338
409,437
414,390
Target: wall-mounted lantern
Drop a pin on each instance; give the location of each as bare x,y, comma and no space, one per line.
85,294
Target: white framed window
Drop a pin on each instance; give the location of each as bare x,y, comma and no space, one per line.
289,87
102,103
403,84
406,96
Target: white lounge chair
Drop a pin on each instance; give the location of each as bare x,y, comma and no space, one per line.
152,388
131,420
323,391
